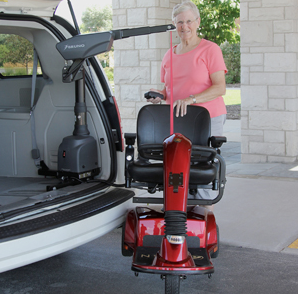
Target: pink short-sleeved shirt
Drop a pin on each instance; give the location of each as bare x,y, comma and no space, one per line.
191,74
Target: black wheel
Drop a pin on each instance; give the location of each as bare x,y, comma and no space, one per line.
172,284
126,251
215,254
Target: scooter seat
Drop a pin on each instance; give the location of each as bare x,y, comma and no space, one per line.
200,173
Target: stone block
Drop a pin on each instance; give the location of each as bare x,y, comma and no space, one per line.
164,3
258,33
150,54
276,104
124,44
280,62
147,3
130,92
254,4
155,72
159,41
244,144
291,78
117,58
276,149
127,112
127,3
131,75
282,159
273,120
145,63
291,42
159,13
276,3
278,40
115,4
253,158
254,97
244,11
245,75
137,17
256,69
141,42
292,143
129,58
267,78
264,49
284,26
122,21
252,59
274,136
129,125
283,91
291,12
291,104
271,13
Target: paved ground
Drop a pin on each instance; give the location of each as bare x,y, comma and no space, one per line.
257,217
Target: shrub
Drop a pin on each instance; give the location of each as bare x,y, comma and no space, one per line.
109,73
231,55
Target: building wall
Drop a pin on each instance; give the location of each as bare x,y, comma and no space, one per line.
138,59
269,80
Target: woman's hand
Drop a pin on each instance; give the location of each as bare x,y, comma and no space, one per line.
156,100
181,106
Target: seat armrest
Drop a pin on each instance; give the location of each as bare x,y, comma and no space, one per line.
202,153
217,141
130,138
151,151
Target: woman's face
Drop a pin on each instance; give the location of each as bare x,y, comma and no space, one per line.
186,24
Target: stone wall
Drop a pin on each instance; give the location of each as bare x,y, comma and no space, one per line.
138,59
269,80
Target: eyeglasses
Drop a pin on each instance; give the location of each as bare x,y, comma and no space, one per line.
187,22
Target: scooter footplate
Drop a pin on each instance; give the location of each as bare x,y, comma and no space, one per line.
144,257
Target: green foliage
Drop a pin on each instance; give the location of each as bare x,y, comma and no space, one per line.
231,54
96,19
19,50
109,73
15,72
218,20
3,52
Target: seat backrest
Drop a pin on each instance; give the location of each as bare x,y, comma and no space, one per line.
153,124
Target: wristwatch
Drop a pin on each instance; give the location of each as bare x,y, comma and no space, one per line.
193,98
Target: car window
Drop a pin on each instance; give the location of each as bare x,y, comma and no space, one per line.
16,56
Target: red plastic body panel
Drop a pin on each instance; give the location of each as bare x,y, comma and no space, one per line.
177,154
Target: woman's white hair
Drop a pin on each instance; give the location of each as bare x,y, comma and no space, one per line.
186,5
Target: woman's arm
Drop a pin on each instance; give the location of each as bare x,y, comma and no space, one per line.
217,89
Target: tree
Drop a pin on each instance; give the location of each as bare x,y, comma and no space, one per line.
96,19
218,20
19,50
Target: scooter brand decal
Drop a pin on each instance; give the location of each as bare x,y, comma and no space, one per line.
145,256
199,257
177,140
74,46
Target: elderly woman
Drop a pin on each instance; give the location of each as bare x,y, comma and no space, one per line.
198,69
198,73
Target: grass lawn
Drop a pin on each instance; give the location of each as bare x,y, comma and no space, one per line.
232,97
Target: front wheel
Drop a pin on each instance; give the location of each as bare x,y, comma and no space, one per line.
172,284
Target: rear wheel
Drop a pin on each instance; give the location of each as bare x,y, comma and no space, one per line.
172,284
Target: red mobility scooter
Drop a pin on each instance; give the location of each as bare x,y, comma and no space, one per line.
179,237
